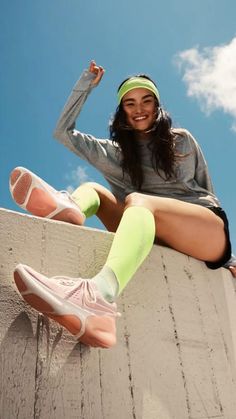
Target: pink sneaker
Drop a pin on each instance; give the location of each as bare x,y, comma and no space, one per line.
74,303
36,196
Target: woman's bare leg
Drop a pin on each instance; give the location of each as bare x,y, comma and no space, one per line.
188,228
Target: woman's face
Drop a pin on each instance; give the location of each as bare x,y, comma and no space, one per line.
140,108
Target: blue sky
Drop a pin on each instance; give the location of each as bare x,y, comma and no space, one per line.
188,48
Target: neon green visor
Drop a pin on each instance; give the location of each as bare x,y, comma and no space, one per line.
135,83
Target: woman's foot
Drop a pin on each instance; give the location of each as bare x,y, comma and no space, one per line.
74,303
33,194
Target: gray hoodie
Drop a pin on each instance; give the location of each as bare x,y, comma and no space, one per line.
191,184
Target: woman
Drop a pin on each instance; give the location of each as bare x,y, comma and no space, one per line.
160,191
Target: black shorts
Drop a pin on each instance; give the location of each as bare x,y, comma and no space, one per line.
227,255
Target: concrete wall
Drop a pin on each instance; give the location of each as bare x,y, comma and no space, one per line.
175,357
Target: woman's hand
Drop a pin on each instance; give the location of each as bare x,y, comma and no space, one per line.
98,71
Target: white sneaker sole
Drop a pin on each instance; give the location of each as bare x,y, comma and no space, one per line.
36,196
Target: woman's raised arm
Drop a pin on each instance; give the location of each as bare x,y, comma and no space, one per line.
89,79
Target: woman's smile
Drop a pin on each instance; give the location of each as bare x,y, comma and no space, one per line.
140,109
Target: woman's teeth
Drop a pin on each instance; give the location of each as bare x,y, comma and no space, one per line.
140,118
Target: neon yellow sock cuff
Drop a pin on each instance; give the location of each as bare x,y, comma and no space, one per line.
132,243
87,199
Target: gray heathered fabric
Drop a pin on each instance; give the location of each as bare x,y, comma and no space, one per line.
192,184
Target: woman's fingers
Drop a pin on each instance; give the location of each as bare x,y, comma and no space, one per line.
97,70
92,66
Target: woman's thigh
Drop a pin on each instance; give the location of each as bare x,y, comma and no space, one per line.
189,228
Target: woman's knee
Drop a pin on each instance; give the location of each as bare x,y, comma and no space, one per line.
139,200
133,199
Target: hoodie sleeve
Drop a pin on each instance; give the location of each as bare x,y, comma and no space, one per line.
64,131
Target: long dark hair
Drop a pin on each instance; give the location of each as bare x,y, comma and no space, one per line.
161,145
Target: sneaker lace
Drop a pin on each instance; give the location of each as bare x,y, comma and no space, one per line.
88,291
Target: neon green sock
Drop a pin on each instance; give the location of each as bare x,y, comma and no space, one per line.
87,199
132,243
107,283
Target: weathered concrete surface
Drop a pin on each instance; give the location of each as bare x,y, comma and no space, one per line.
176,351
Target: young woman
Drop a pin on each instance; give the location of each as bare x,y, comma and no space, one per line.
160,192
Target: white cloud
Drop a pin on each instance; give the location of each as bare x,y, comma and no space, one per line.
210,77
77,177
